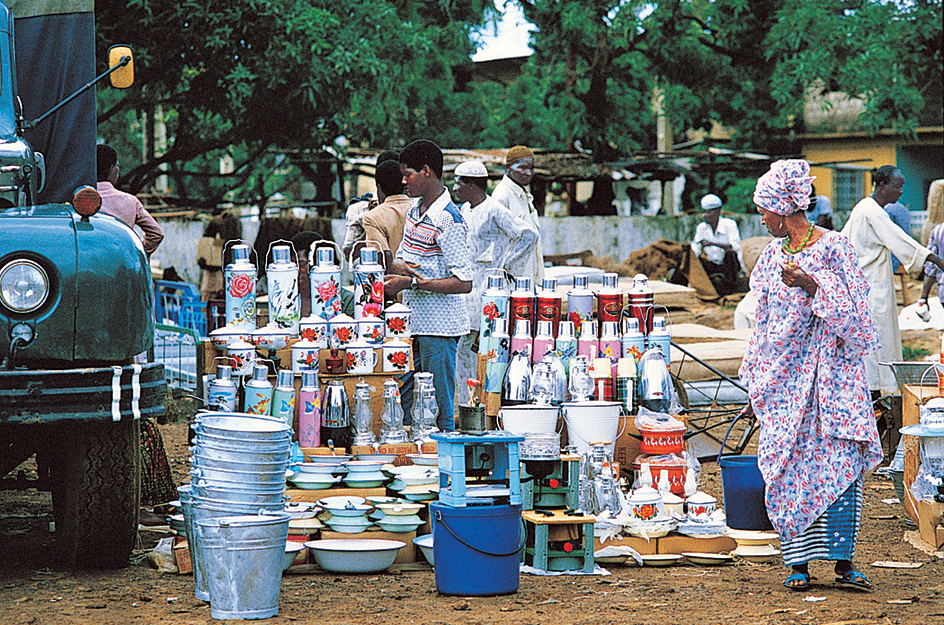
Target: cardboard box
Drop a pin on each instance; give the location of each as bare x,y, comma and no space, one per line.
182,556
677,543
301,494
929,522
401,449
406,554
911,401
641,545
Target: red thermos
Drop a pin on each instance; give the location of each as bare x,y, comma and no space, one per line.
521,302
549,303
609,299
641,302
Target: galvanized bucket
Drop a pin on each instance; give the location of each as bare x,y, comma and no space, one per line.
201,509
204,461
256,430
242,495
238,479
245,575
223,452
229,443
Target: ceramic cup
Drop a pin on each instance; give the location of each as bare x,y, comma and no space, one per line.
361,358
315,329
371,329
397,318
305,356
396,356
222,337
344,329
271,337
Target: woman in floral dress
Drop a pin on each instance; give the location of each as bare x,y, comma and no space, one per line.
805,373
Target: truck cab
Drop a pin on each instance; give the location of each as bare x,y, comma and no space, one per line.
76,307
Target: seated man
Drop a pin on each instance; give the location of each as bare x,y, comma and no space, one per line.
717,243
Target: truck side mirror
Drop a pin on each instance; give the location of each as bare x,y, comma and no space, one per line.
123,77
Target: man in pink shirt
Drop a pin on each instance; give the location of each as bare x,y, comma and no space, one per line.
123,205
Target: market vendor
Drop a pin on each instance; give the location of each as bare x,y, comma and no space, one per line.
432,269
805,374
512,192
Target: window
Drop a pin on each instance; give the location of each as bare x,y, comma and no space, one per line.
848,188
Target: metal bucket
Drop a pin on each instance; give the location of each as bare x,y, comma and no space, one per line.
592,421
227,443
529,419
220,452
229,493
201,508
261,431
238,479
471,420
242,464
245,573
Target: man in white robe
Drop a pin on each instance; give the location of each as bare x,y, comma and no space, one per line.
875,238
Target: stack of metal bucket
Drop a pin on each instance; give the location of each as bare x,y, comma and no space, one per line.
239,462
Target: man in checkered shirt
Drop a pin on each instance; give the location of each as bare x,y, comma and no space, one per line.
433,269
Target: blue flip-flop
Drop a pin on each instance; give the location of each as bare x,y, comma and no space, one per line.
854,579
801,577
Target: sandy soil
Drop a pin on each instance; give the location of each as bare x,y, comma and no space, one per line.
35,589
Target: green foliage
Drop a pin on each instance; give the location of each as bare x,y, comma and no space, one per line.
913,354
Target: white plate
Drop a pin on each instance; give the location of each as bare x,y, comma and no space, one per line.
424,459
661,559
707,559
341,500
758,557
747,537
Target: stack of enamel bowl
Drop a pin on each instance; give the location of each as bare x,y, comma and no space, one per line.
399,517
239,463
415,482
347,515
315,475
364,474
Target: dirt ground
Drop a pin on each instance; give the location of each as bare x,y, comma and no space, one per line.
34,589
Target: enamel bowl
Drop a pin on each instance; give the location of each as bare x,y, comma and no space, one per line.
363,466
341,501
292,550
377,500
317,467
383,458
398,524
400,509
349,510
313,481
348,525
425,543
329,459
424,459
355,556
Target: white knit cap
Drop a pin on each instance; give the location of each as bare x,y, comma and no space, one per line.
710,202
471,169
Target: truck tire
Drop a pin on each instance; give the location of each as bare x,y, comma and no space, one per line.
97,493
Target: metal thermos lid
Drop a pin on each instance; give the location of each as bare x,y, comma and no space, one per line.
501,327
544,329
588,330
260,373
658,323
240,253
285,378
281,255
368,256
522,327
610,280
550,284
609,331
324,256
224,372
631,324
565,331
523,283
581,281
495,281
309,378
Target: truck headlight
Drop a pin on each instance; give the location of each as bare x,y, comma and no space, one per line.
24,286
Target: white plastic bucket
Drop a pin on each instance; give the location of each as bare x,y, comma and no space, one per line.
529,419
592,421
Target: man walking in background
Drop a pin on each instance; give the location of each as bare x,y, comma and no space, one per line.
512,192
123,205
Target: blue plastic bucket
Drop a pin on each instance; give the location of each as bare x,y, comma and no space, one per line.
743,487
476,549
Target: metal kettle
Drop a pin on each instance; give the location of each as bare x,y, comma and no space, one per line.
518,378
655,382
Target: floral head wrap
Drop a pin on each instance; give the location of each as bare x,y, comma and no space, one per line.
785,188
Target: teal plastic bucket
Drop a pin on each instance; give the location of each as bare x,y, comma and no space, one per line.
743,487
476,549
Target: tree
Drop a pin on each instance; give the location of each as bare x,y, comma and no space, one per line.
242,77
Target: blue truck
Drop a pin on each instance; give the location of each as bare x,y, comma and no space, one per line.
76,299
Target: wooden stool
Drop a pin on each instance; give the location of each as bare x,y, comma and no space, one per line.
539,530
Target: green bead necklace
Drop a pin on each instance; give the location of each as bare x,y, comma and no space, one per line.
809,235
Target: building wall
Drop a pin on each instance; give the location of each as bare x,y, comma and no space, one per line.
852,150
